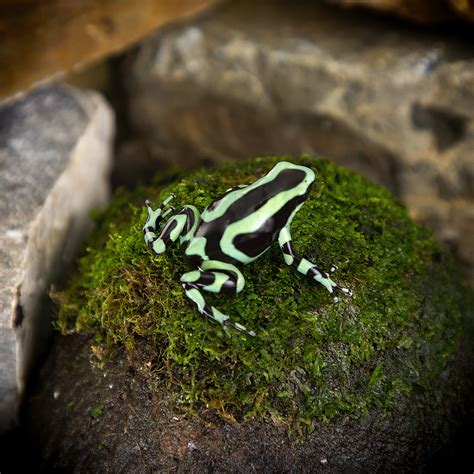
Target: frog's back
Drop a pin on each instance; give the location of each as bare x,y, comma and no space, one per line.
242,224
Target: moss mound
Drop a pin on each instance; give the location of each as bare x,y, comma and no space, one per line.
311,358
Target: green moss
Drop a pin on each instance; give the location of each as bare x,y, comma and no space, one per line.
96,412
311,359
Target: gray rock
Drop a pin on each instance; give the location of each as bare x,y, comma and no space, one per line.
269,78
55,151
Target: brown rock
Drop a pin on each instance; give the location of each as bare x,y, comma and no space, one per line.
41,40
86,419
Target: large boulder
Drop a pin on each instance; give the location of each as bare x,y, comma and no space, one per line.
55,155
376,382
43,41
384,100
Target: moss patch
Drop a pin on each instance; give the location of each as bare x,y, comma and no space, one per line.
311,359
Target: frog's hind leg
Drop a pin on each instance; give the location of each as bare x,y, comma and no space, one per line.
182,225
215,277
306,267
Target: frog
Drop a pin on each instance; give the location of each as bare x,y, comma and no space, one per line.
236,229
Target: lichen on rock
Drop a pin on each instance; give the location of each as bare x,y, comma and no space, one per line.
311,359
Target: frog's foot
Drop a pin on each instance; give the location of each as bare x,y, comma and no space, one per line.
226,322
332,285
346,291
308,268
181,226
328,283
193,293
215,277
156,216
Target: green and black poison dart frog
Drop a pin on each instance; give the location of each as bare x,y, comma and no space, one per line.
236,228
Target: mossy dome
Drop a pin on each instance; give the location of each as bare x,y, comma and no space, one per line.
311,359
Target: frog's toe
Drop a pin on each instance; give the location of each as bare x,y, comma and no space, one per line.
325,281
167,200
148,208
237,326
167,212
346,291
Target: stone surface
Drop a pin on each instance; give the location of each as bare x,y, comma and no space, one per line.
42,40
111,420
422,11
399,332
270,78
55,152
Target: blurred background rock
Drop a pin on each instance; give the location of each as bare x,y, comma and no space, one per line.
40,41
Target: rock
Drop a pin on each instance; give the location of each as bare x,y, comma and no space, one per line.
43,41
391,103
55,152
423,11
464,7
378,379
139,429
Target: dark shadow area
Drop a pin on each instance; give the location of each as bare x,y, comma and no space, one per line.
446,128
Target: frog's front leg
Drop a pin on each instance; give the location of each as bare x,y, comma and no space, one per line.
182,225
215,277
305,266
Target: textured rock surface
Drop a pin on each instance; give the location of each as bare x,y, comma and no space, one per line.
91,419
55,149
41,40
257,79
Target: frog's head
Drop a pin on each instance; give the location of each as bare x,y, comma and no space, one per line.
294,176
